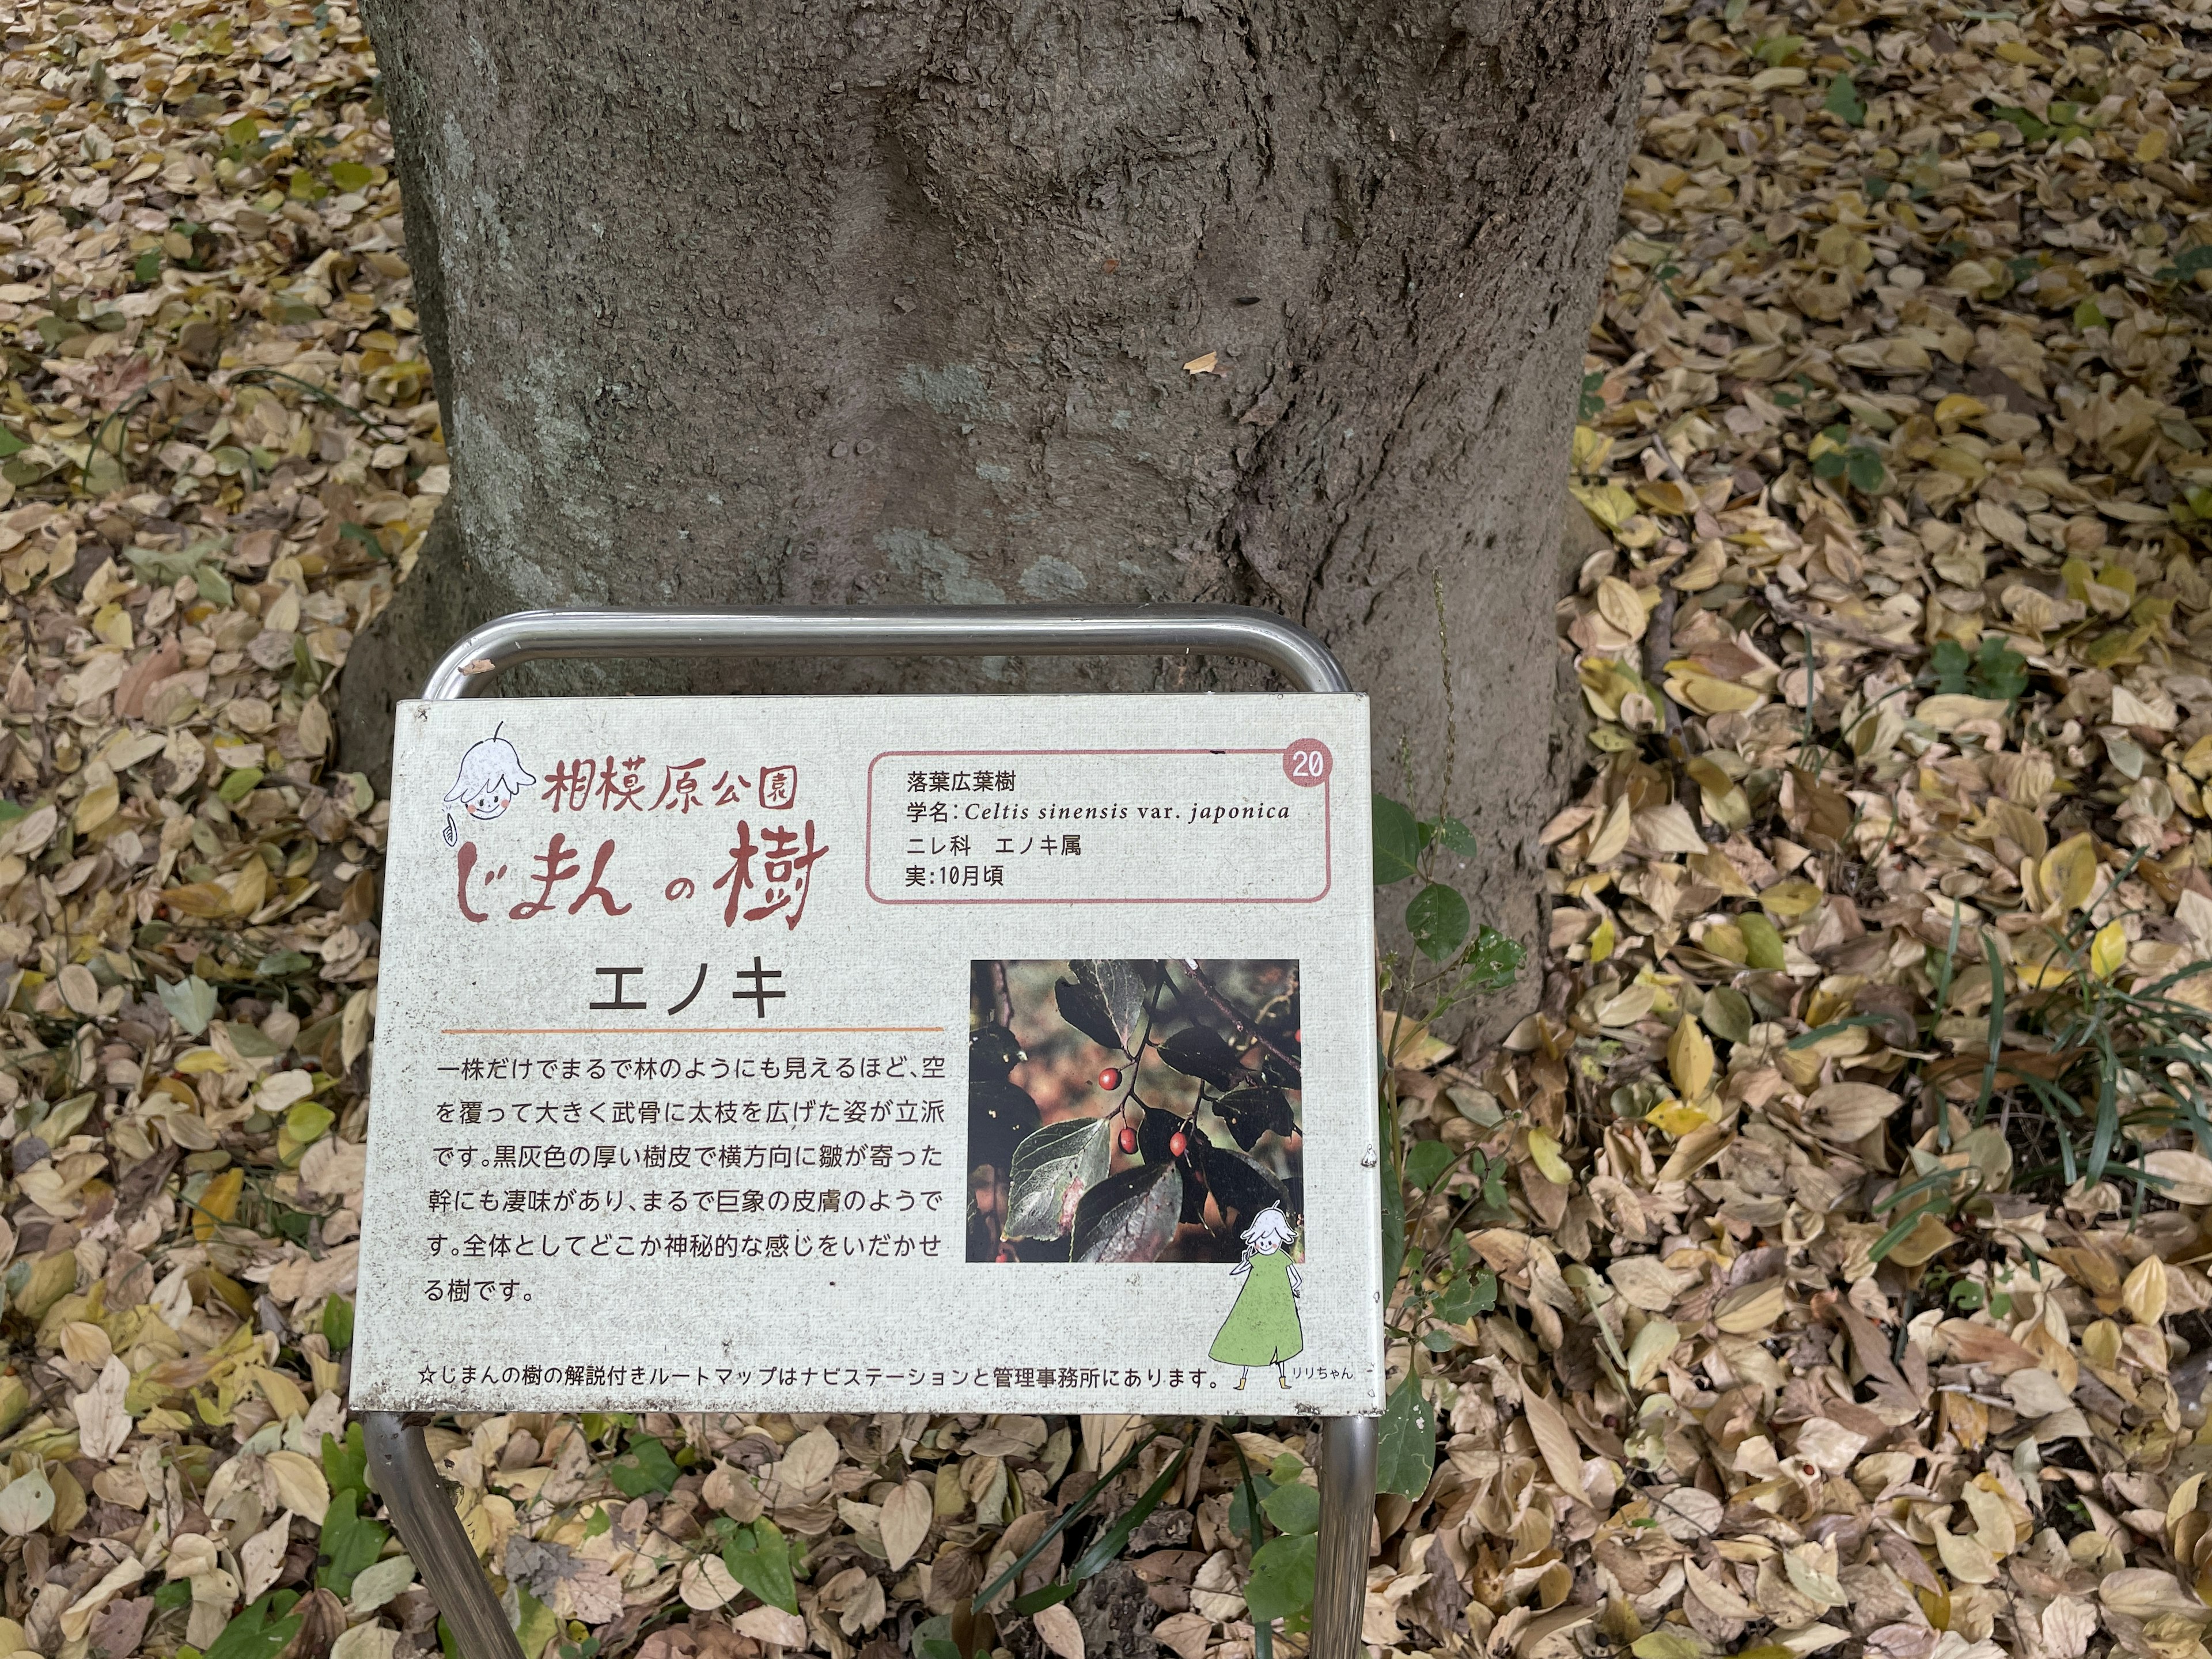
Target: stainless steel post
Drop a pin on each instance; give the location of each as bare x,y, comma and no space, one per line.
1347,1515
401,1460
400,1468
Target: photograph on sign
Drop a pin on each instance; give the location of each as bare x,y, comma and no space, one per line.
1141,1110
992,1053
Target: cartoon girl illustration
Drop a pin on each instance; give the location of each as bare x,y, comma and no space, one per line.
490,777
1262,1328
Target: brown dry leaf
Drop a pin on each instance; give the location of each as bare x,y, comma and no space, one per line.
907,1513
1848,1111
1555,1441
1057,1627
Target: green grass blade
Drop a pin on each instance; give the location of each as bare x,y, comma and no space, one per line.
1067,1517
2108,1121
1895,1237
1997,1036
1108,1544
1263,1633
1913,1189
1806,1039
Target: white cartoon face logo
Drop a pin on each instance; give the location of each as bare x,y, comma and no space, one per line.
491,775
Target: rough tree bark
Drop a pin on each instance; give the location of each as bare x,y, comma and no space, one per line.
1272,301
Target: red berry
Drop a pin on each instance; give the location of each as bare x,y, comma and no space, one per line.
1128,1139
1110,1077
1178,1143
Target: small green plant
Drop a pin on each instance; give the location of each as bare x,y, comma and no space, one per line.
2124,1067
263,1628
2031,130
351,1540
1837,453
644,1468
1994,670
2186,264
1405,1440
2083,1074
1844,101
1470,961
758,1556
1465,963
1592,402
1280,1514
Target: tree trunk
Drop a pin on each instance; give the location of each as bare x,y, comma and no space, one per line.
1279,302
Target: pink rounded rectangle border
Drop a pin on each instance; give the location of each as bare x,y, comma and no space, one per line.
867,853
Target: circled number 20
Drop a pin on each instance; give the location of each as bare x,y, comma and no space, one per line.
1306,762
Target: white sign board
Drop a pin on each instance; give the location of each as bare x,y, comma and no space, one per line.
931,1054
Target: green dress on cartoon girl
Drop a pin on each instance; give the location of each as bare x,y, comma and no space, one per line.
1262,1328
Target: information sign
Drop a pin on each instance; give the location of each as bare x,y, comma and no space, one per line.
936,1053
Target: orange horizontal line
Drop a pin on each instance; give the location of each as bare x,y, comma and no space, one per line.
677,1030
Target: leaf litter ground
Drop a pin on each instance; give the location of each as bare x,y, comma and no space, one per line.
1822,1269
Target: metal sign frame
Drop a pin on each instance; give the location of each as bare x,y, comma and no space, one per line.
399,1458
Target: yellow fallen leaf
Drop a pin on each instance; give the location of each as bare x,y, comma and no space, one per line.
300,1486
1705,568
1957,407
1658,1340
2068,875
1708,695
1619,603
2108,951
1202,365
1690,1059
1638,530
1790,899
198,898
1929,1239
1844,1112
1675,1118
1592,449
1544,1150
218,1203
1609,504
1994,1528
2043,963
282,1393
1602,938
2144,1292
1726,940
253,889
1950,710
1409,1045
95,807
